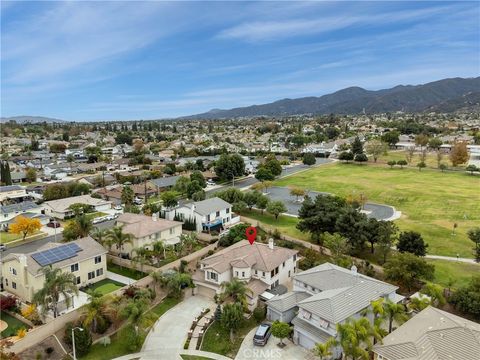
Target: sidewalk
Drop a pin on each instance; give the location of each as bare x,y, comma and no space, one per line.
451,258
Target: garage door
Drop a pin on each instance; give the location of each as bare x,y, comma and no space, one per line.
272,315
305,341
205,291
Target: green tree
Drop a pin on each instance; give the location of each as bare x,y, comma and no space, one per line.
140,256
357,146
117,237
250,198
297,192
100,236
31,175
57,283
394,312
229,166
83,339
239,207
435,292
402,163
323,350
138,321
230,195
391,163
181,185
309,159
193,187
361,157
337,245
407,270
471,168
264,174
198,176
391,137
412,242
273,165
235,289
467,298
354,336
474,235
435,143
443,167
281,330
175,282
98,312
346,156
276,208
376,148
421,165
169,199
127,195
262,202
232,317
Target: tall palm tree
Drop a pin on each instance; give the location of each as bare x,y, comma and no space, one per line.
417,304
136,313
84,225
117,237
189,241
97,311
56,283
394,311
435,292
140,257
377,308
237,290
158,250
323,350
354,337
100,236
157,278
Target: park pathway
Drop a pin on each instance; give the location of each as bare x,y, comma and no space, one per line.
451,258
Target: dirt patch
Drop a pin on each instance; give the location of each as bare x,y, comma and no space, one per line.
41,348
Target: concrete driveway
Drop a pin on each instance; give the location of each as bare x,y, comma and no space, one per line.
169,333
271,351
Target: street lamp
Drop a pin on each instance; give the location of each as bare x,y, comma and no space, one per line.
73,340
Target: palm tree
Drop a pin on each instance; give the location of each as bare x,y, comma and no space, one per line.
56,283
378,311
84,225
435,292
141,257
97,311
117,237
323,350
100,236
394,311
354,336
138,319
157,278
158,250
417,304
237,290
189,241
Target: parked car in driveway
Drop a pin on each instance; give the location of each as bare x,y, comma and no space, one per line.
261,335
54,224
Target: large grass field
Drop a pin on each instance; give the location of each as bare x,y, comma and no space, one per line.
431,202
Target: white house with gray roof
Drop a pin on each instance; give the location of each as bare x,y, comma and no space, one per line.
209,214
325,296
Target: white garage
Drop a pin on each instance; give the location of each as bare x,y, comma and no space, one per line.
204,291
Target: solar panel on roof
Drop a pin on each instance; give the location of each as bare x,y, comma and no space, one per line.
57,254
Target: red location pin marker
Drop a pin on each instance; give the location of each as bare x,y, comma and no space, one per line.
251,234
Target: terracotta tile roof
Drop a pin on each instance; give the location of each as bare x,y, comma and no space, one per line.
141,225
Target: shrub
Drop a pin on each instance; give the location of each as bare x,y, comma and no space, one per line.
187,344
210,252
83,339
8,302
259,313
49,350
21,332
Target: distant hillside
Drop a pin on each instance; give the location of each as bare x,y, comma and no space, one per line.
30,119
446,95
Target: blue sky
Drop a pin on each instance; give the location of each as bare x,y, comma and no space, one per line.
149,60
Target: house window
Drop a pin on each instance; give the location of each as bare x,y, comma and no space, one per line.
74,267
171,231
307,315
208,217
213,276
78,280
236,273
243,273
272,273
288,273
6,282
217,214
14,271
100,272
263,274
256,272
98,259
14,284
283,265
227,211
91,275
295,257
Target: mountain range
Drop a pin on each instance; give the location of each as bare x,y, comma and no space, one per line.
447,95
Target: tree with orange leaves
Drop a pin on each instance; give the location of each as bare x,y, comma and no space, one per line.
25,226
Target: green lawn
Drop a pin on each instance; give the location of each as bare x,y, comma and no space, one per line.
194,357
13,325
431,202
94,215
6,237
106,286
459,272
217,338
131,273
431,159
118,347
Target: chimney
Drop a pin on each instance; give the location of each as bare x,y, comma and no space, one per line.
270,243
23,260
155,216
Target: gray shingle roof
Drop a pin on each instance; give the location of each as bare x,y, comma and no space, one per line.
209,206
10,188
318,334
20,207
287,301
165,181
433,334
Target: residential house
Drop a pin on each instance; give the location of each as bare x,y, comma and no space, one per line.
111,193
432,334
260,266
474,158
165,183
12,193
60,208
26,208
212,214
146,230
85,258
327,295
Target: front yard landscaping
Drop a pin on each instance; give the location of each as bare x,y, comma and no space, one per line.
6,237
105,286
130,273
217,338
13,325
